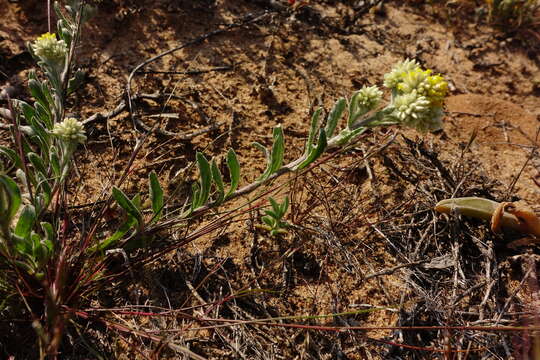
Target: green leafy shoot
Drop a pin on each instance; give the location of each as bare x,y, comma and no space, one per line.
218,181
275,159
156,196
273,220
234,171
128,205
334,115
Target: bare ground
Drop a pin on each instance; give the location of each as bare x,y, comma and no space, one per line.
365,235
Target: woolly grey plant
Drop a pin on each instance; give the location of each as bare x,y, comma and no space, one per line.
45,142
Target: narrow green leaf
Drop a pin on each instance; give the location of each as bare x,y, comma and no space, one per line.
353,109
28,111
37,250
285,206
234,170
278,149
268,221
196,193
13,196
22,245
136,200
40,131
334,116
36,91
261,147
45,194
37,163
12,156
26,222
205,180
218,181
131,223
312,130
156,196
50,235
315,152
276,156
275,205
126,204
44,114
55,162
76,81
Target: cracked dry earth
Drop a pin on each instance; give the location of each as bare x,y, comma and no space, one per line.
355,217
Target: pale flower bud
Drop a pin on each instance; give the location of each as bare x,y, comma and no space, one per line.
394,77
415,111
70,130
369,97
49,49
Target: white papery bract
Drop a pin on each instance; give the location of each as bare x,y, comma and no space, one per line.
49,49
70,130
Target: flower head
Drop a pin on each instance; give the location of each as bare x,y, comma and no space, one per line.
70,130
369,97
49,49
394,77
414,110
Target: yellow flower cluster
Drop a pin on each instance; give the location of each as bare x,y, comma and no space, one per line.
49,49
417,95
433,87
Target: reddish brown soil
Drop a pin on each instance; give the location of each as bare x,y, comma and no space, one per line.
277,71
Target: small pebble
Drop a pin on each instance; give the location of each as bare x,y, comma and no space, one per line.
6,113
8,92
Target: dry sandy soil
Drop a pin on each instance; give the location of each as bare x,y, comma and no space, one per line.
356,220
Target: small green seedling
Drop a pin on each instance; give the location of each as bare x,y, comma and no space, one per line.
273,218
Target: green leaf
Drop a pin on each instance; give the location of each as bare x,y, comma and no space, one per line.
234,170
26,222
275,205
315,152
218,180
55,162
44,194
126,204
205,180
276,156
12,156
50,236
38,164
278,149
156,196
312,130
261,147
268,221
284,206
131,223
44,114
13,197
22,245
76,81
36,91
40,131
136,200
353,109
28,111
272,214
196,193
334,116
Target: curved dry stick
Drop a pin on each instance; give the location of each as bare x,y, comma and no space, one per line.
122,106
248,19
